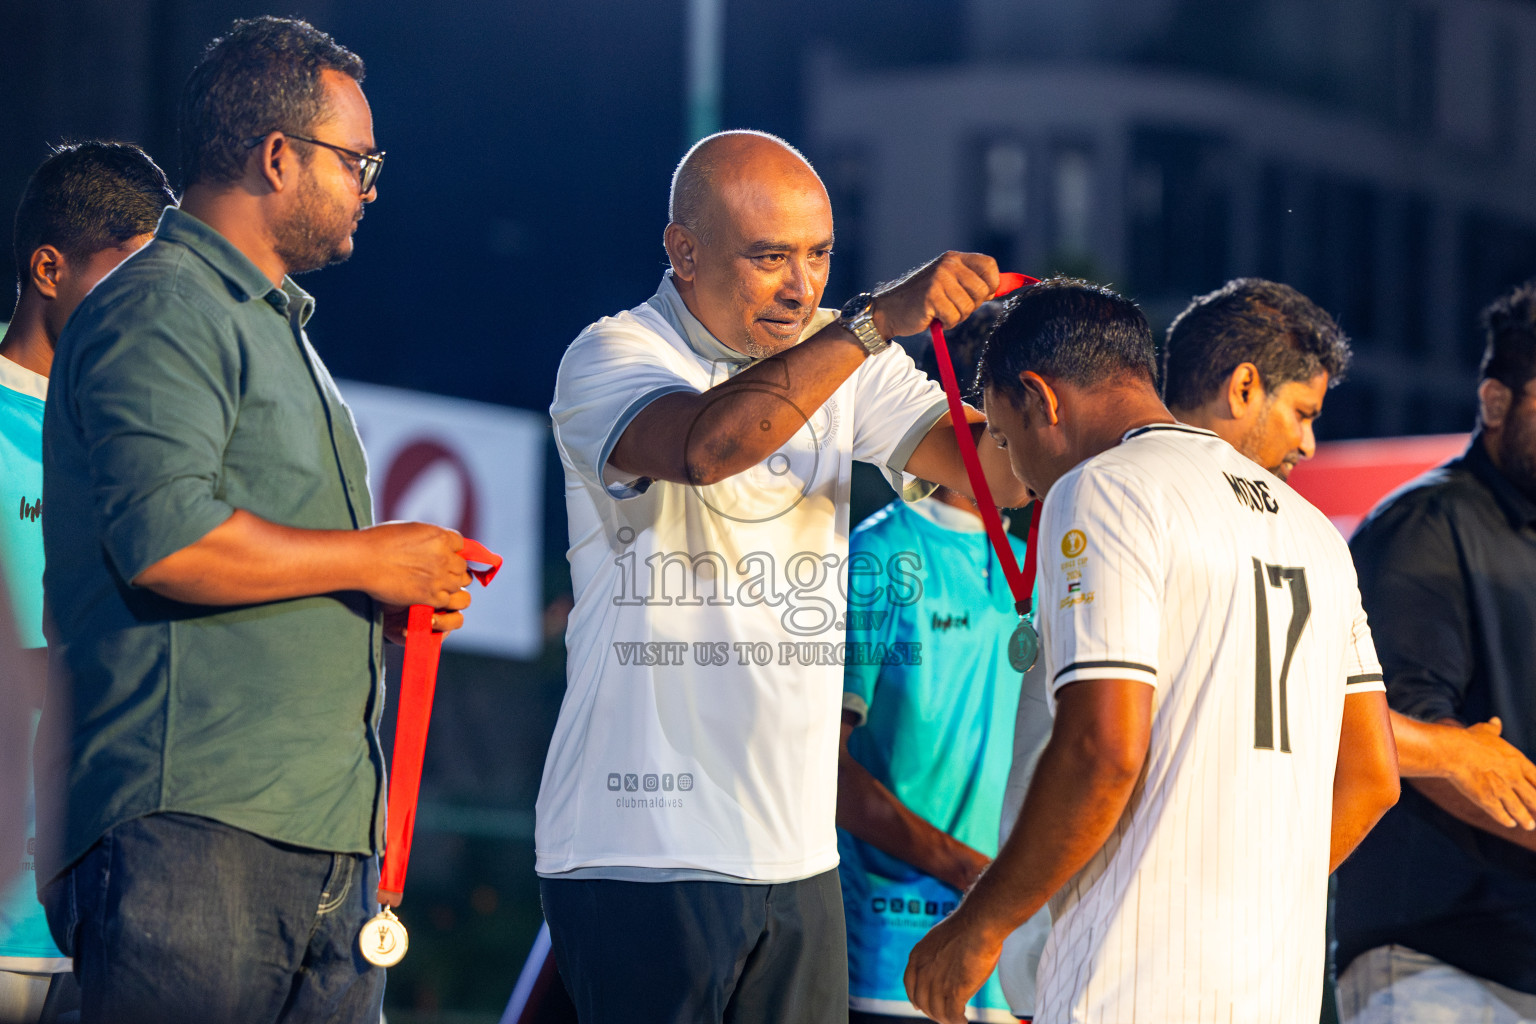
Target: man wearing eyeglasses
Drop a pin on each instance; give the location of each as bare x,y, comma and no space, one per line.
217,589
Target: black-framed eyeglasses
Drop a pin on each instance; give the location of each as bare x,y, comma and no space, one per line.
368,164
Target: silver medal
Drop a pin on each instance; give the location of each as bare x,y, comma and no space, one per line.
383,940
1023,646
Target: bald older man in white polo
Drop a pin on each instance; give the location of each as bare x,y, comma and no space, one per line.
686,845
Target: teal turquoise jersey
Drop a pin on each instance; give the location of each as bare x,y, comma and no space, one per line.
21,508
938,728
23,928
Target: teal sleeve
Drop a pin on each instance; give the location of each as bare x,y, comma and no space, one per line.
152,387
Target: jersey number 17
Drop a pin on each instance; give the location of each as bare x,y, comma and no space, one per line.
1265,578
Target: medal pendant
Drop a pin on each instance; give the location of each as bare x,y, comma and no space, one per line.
383,940
1023,647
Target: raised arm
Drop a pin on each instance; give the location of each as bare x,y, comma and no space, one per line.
937,459
1080,789
705,438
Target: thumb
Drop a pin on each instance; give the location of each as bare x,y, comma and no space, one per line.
1495,725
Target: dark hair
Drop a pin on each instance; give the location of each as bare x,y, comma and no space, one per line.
88,197
966,341
1249,320
263,76
1510,326
1084,334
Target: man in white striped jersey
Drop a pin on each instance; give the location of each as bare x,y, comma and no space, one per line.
1221,738
1252,362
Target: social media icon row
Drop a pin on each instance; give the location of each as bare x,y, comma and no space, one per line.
634,782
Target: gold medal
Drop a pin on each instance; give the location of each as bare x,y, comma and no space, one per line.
383,941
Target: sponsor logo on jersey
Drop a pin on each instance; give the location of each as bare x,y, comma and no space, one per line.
944,623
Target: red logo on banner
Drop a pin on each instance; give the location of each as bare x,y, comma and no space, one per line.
413,463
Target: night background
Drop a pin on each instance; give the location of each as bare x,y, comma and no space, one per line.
1375,154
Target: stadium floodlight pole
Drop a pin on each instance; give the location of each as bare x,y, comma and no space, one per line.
706,46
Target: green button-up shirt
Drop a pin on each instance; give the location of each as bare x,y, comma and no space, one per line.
184,388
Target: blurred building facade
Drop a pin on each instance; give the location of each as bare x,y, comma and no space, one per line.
1376,154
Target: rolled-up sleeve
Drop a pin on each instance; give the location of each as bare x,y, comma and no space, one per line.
153,393
1412,588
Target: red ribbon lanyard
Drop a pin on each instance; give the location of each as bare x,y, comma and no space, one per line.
418,680
1021,583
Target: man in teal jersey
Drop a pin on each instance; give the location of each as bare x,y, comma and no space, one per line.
85,210
927,733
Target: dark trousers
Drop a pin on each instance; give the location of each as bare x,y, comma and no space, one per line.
173,918
700,952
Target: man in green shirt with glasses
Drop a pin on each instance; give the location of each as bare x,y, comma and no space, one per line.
217,590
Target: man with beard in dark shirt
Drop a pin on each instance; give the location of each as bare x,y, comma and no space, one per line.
1437,909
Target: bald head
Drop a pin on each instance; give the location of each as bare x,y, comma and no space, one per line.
719,161
750,241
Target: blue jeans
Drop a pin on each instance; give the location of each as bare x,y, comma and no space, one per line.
174,918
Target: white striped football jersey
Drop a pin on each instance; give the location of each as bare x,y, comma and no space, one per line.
1174,561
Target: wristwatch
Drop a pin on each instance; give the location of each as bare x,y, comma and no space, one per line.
858,319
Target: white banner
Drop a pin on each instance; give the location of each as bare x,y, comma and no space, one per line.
478,469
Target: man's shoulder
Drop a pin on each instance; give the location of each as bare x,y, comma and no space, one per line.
635,330
162,275
1433,497
880,526
1131,467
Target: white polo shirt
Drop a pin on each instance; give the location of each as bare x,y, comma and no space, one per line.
1174,561
698,735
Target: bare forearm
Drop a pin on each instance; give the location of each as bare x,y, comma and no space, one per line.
937,459
247,560
872,813
1074,802
1365,777
746,419
1423,748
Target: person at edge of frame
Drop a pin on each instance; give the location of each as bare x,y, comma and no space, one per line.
1253,362
85,209
1436,914
217,591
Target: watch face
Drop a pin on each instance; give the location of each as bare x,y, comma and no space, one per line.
856,305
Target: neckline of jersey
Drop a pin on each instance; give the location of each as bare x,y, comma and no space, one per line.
1181,428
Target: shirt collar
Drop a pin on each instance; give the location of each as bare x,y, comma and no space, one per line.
20,379
1180,428
244,277
1520,509
947,517
705,345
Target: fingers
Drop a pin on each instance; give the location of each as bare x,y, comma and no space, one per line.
447,622
1493,806
948,290
1518,813
962,281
